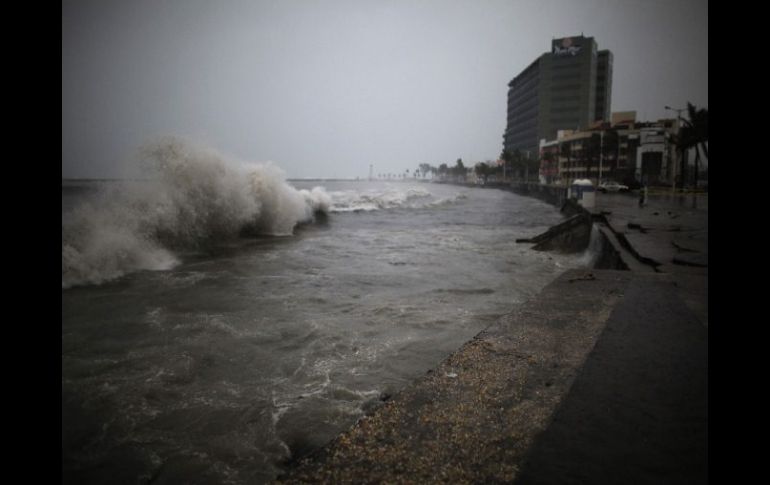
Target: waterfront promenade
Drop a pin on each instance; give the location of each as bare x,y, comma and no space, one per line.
601,378
668,235
638,410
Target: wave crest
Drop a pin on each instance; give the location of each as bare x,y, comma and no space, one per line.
388,198
195,197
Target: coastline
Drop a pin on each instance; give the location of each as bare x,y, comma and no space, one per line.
573,383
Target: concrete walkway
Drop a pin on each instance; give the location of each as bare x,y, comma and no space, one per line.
638,410
602,378
669,231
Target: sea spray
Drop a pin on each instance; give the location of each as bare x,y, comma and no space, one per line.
594,249
193,198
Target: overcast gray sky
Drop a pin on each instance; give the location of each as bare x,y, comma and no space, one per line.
324,88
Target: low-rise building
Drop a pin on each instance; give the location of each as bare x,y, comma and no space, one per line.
624,150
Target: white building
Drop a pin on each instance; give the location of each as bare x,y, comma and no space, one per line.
654,156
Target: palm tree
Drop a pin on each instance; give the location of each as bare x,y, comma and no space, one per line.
482,171
459,169
508,160
682,143
443,170
697,133
694,134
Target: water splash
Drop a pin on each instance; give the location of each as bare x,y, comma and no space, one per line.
194,197
594,249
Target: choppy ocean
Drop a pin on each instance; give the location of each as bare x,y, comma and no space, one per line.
219,320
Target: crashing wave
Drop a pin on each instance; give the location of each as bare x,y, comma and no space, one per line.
194,197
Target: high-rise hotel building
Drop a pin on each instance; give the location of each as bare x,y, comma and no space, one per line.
565,89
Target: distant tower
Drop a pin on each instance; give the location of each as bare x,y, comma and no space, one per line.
371,171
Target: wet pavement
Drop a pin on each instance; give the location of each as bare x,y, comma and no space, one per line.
601,378
638,410
671,231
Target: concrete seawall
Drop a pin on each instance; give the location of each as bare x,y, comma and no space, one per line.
553,194
601,378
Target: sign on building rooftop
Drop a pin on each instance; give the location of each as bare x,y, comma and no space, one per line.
568,46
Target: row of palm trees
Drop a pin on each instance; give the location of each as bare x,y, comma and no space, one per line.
520,165
457,171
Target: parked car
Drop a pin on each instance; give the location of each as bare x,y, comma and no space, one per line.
612,187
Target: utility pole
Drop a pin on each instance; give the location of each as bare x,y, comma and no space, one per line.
672,165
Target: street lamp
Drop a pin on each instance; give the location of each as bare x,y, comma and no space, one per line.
601,149
679,130
678,110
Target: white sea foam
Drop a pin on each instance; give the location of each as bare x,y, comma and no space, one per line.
387,198
194,197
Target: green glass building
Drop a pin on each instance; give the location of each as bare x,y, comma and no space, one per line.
568,88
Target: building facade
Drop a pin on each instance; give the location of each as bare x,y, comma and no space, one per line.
603,85
523,109
624,150
566,89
